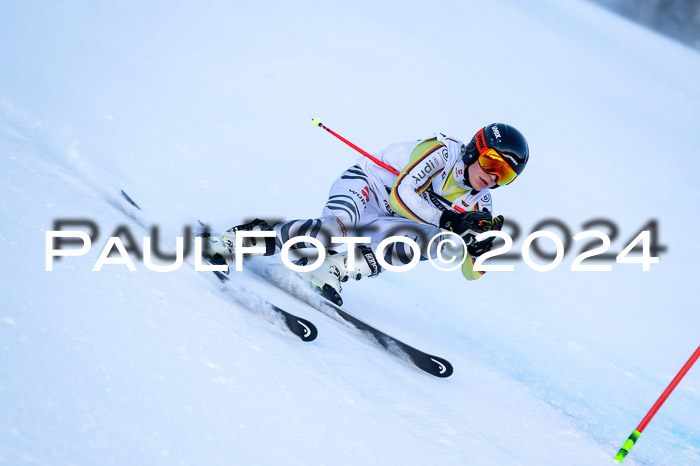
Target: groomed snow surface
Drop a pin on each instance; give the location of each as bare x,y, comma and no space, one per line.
202,111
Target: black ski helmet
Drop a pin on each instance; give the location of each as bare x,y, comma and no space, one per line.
504,139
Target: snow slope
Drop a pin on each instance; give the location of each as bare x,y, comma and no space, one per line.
172,101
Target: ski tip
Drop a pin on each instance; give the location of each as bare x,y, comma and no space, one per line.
308,331
302,328
445,368
129,200
436,366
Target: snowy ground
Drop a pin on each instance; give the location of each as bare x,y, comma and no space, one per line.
203,111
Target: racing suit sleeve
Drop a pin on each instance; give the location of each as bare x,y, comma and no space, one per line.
468,266
427,161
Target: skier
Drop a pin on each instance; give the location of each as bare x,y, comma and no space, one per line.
369,200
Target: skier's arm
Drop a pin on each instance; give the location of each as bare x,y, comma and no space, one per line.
427,161
468,268
477,249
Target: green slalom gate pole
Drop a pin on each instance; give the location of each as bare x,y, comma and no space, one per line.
640,428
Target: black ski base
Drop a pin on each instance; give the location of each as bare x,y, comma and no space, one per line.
429,363
302,328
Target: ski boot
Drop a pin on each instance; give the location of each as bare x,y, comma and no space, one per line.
327,278
220,249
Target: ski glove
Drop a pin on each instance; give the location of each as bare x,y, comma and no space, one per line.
477,249
467,224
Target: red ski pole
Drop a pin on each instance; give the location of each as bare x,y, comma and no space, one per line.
640,428
317,122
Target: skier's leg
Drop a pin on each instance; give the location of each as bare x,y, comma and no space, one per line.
222,247
351,204
348,200
322,228
335,269
399,253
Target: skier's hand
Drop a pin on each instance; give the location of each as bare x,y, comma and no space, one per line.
467,224
477,249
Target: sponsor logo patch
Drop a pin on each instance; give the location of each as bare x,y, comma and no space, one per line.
387,207
480,142
365,192
362,196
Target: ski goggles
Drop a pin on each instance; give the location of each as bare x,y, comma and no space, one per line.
493,163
